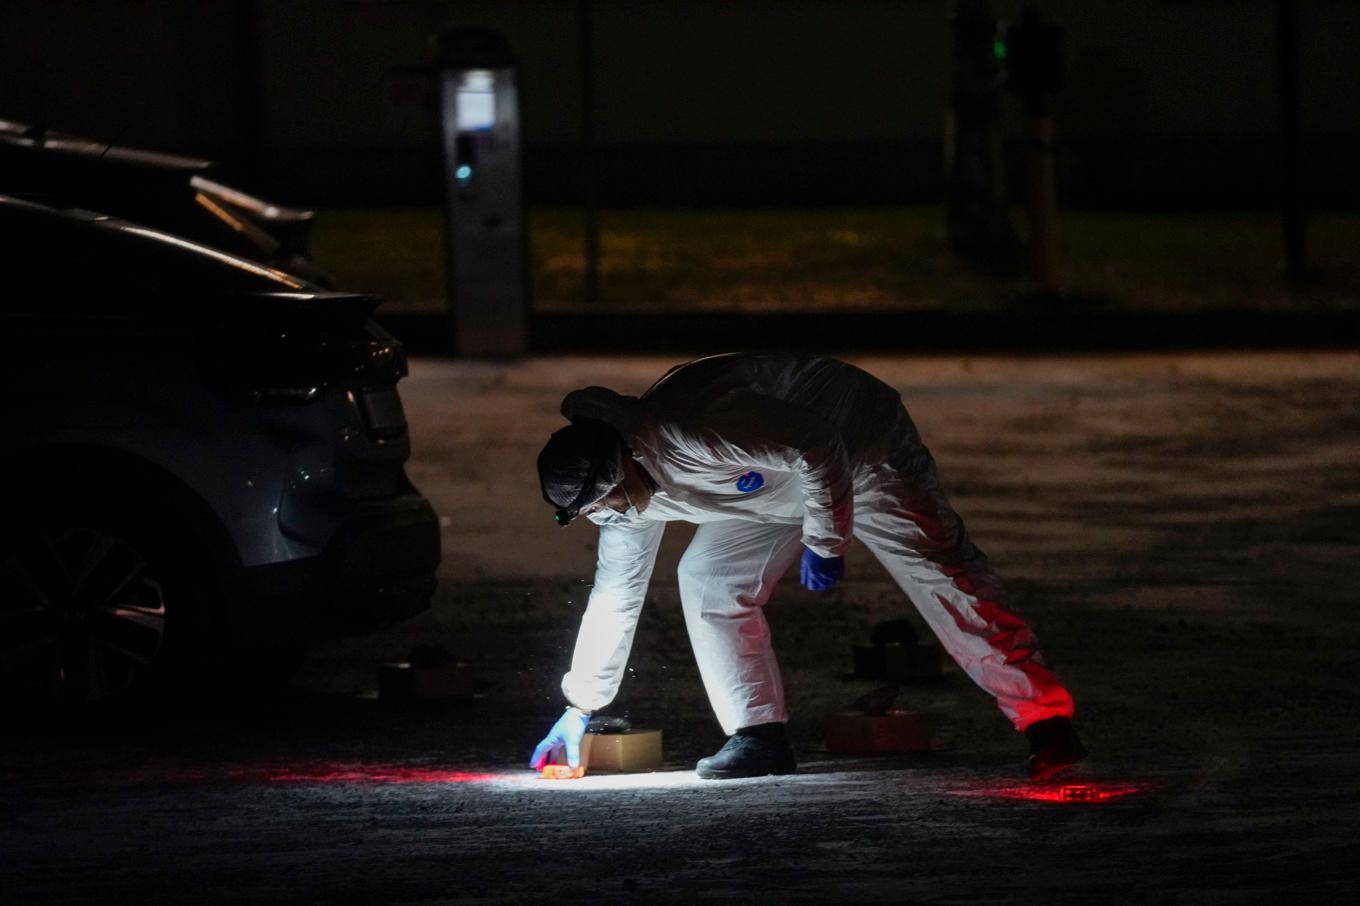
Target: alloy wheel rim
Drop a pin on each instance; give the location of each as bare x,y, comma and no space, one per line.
81,613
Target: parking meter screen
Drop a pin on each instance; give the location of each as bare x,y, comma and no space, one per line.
477,102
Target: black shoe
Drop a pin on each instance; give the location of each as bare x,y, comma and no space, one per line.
748,755
1053,745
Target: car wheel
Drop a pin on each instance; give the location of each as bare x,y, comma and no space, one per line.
83,611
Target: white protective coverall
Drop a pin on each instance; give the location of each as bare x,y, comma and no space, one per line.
769,453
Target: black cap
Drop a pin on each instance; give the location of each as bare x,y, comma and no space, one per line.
579,465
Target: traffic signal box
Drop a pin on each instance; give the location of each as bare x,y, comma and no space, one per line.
1033,56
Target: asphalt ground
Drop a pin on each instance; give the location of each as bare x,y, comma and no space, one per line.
1180,529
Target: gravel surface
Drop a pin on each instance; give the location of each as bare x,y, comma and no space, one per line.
1181,530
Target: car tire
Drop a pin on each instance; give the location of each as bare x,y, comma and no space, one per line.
96,595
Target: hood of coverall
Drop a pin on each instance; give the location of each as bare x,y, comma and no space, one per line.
579,465
605,405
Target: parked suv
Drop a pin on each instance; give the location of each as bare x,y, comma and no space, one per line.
203,462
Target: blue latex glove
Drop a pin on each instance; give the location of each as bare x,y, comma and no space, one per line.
821,573
567,734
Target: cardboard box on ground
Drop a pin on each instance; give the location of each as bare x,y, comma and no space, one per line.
625,751
630,751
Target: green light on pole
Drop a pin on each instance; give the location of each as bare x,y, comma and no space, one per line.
999,49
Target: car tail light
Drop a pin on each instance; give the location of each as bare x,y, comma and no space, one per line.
295,361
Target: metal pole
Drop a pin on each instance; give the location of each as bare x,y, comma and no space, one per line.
1293,219
590,173
976,219
1043,200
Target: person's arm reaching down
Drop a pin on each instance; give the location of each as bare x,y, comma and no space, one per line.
627,553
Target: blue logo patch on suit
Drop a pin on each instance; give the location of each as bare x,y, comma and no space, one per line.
750,481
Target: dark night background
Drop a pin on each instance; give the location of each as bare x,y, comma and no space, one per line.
1156,446
1169,104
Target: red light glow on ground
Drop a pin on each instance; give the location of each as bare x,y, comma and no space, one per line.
1065,793
305,771
355,773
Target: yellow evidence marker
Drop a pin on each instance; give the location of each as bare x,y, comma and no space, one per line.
563,772
557,767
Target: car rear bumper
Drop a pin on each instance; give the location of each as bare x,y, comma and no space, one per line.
378,569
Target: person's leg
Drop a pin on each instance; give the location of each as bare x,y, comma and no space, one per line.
725,578
910,527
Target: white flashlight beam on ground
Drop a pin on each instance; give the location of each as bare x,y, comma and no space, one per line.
594,783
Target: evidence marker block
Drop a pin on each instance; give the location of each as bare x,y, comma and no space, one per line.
557,768
563,772
863,734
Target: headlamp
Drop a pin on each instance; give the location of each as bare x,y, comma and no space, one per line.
567,514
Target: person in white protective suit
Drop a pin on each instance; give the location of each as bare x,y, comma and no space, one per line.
775,457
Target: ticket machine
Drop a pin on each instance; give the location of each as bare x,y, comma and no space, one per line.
488,281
